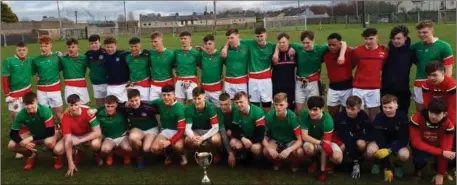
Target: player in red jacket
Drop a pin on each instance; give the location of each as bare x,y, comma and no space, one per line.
432,134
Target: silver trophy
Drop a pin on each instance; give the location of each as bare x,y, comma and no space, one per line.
204,159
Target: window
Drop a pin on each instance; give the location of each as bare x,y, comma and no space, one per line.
165,24
234,20
144,24
239,20
149,24
201,22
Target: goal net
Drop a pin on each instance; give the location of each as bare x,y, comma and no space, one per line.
285,23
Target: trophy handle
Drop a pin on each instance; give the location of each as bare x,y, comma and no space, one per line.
211,160
196,156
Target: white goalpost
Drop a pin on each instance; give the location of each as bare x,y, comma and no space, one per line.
285,23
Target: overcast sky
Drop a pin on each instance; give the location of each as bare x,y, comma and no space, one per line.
35,10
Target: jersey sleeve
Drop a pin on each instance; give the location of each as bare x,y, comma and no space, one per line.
293,121
213,118
180,117
447,55
322,49
18,121
93,121
259,118
328,123
6,68
46,115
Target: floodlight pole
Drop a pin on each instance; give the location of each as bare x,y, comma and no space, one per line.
215,17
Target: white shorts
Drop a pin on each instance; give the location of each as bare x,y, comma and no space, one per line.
168,133
370,97
100,90
15,105
51,99
213,97
80,91
334,146
418,95
335,98
260,90
117,141
153,131
120,91
232,89
302,94
200,132
183,93
155,92
144,92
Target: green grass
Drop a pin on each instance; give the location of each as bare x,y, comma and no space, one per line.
13,173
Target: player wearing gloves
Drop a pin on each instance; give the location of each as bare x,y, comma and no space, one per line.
317,128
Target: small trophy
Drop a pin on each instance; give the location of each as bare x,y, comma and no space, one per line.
204,159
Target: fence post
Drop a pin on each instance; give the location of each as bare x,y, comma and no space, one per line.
4,39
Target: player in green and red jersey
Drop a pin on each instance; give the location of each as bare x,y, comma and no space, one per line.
172,120
211,66
39,121
74,68
161,62
79,126
47,68
97,72
317,128
138,62
186,60
236,63
224,114
283,138
430,48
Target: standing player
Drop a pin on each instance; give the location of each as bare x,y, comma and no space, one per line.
79,126
202,124
283,76
432,134
317,128
16,81
224,115
429,49
39,121
283,138
138,62
172,120
97,72
369,58
186,59
390,137
74,67
339,74
236,64
211,65
117,70
161,62
47,68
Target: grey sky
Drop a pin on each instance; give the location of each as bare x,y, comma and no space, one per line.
35,10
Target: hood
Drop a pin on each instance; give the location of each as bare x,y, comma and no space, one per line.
406,46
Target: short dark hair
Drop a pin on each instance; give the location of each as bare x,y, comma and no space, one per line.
336,36
240,94
110,99
437,106
224,96
434,66
109,40
353,101
208,37
315,102
425,24
197,91
283,35
71,41
260,30
156,34
307,34
388,98
94,38
132,93
168,88
185,33
29,98
21,44
73,98
369,32
399,29
134,40
231,31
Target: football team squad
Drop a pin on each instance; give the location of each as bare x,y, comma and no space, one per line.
266,107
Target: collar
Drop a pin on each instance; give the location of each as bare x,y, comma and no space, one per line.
190,48
20,57
138,54
75,56
36,110
285,115
42,54
161,51
79,112
176,101
433,41
429,124
214,51
377,46
249,108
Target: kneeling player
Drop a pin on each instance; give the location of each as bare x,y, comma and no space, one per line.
172,119
39,120
391,136
78,127
354,129
283,139
432,133
143,123
317,128
249,129
202,124
114,127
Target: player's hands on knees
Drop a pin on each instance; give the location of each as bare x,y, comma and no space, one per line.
165,143
198,140
285,153
438,179
71,169
273,153
31,146
75,141
327,148
246,142
382,153
449,155
231,159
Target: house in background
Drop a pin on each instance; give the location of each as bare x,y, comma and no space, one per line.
427,5
149,21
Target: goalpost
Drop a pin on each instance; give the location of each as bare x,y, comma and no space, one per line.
286,23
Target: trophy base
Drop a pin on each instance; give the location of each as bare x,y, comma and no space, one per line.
206,181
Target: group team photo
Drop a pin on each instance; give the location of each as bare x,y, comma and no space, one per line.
251,101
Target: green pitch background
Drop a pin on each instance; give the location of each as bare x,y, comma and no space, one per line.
155,173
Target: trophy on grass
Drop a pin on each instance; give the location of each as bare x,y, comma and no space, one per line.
204,159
